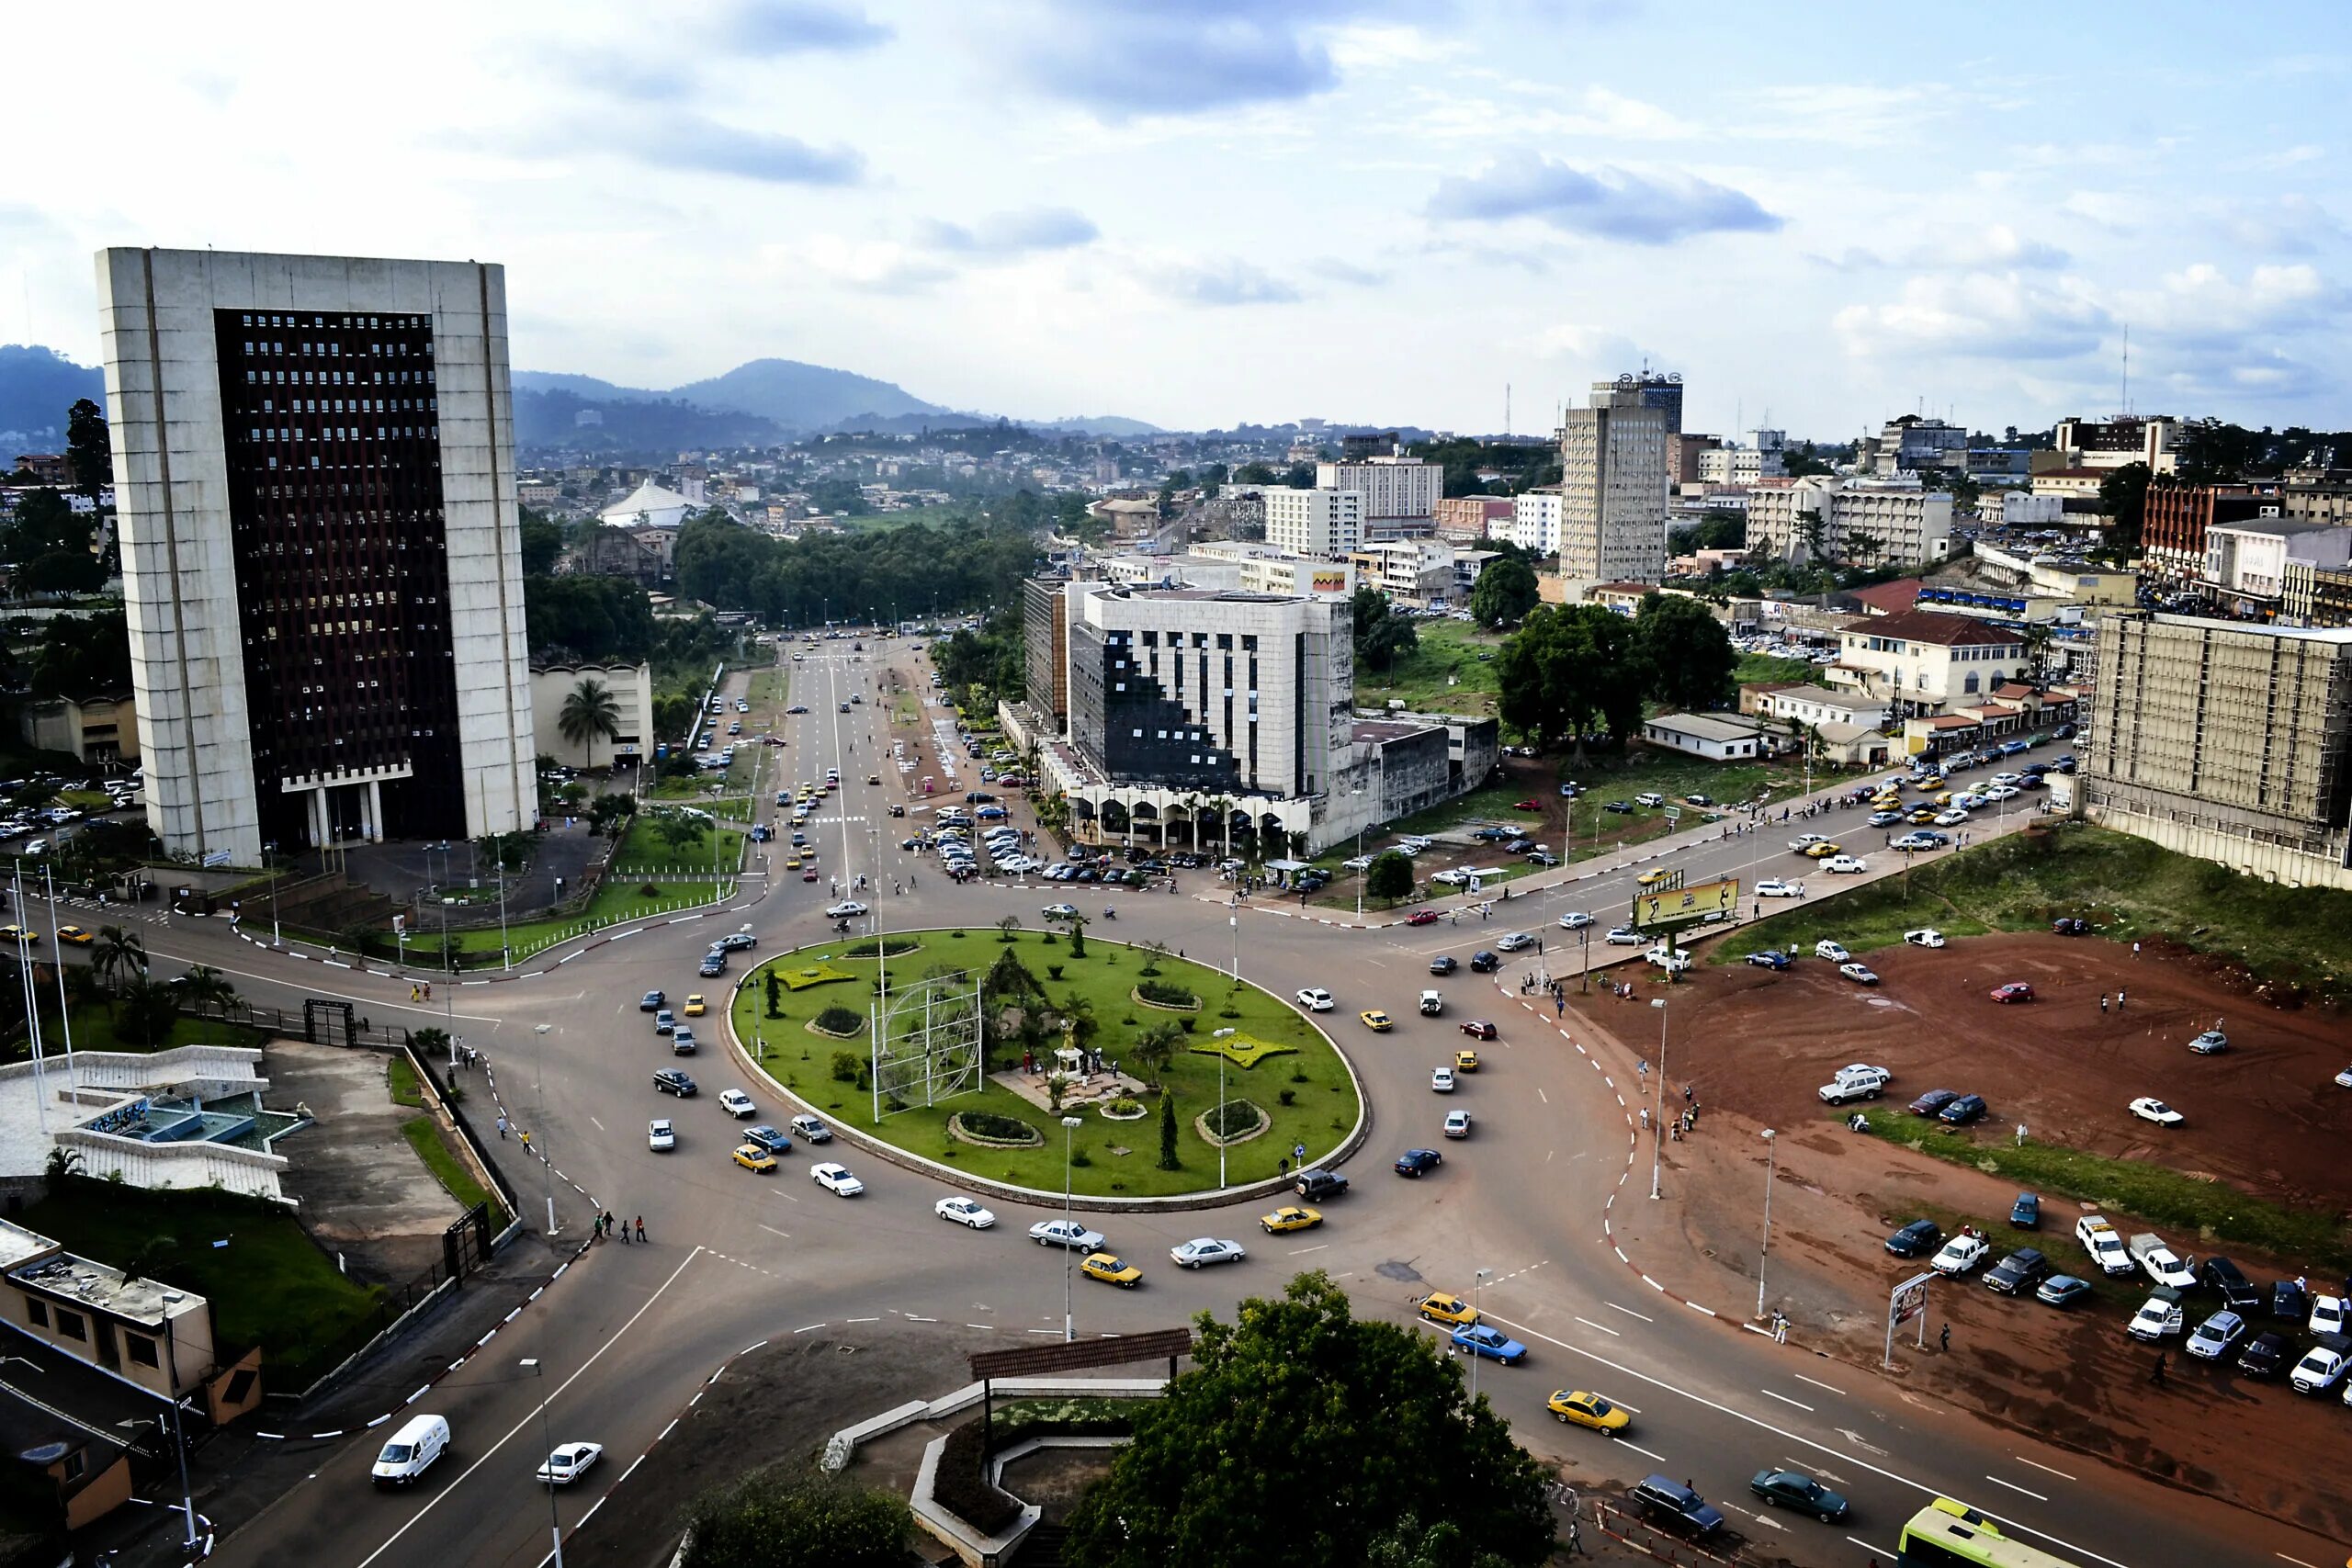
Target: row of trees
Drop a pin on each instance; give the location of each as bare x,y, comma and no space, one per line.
1573,670
978,559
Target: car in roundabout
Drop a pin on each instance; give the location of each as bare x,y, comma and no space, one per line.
1624,936
1925,936
1457,1124
74,935
736,1103
1441,1306
1575,920
1444,964
836,1180
659,1135
670,1080
768,1138
1824,849
1061,911
811,1129
568,1462
1794,1489
964,1211
1489,1343
2148,1108
1419,1162
1514,941
846,910
665,1022
1202,1251
652,1001
1111,1269
751,1156
1442,1080
1579,1407
1477,1029
1376,1021
2015,991
1465,1060
1314,999
1485,962
1065,1232
695,1007
1290,1217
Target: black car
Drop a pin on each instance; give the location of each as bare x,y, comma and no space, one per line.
734,941
1316,1185
1932,1103
2289,1303
2018,1272
2071,925
654,1001
2026,1212
1419,1162
2264,1354
1794,1489
1444,963
2062,1291
712,964
1916,1239
670,1080
2237,1291
1484,962
1963,1111
1622,808
1676,1505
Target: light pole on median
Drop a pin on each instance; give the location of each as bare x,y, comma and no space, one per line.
1657,1116
1771,1149
555,1527
1477,1308
1070,1252
546,1162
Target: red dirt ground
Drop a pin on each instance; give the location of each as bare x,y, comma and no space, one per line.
2265,1117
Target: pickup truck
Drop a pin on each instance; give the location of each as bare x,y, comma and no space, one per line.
2106,1248
1432,1004
2158,1315
2163,1266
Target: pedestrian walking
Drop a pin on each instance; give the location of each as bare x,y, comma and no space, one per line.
428,990
624,1235
525,1137
1559,1003
1945,1338
2119,998
501,1129
2135,950
2156,1373
1689,1093
2102,1002
640,1227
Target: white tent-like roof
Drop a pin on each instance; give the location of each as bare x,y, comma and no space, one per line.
650,503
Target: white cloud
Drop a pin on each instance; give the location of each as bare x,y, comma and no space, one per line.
1608,203
1977,314
1225,280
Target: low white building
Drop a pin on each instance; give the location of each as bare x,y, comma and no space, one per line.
648,506
1863,522
2018,508
2249,561
1408,571
1923,662
1718,737
1818,706
631,688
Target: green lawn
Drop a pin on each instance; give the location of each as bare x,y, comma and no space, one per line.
94,1030
2127,887
432,1146
621,899
270,1286
1443,674
401,1079
1325,1104
1757,667
644,853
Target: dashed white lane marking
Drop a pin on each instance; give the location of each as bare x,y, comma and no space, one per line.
2059,1473
773,1231
861,1320
2015,1487
989,1327
1540,1095
1055,1332
1870,1547
1602,1327
1785,1399
1629,1312
1816,1382
1639,1449
1300,1251
809,1328
600,1126
2298,1561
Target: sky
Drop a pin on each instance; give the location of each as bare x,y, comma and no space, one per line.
1209,212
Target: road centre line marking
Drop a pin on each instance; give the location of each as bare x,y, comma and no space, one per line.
1785,1400
447,1491
1757,1421
2059,1473
1602,1327
2015,1487
1870,1547
2298,1561
1540,1094
1298,1251
810,1327
1629,1312
773,1231
861,1320
1818,1382
1639,1449
989,1327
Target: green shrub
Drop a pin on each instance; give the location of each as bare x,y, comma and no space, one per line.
846,1066
839,1021
1079,1158
1003,1129
1163,993
1288,1096
1233,1117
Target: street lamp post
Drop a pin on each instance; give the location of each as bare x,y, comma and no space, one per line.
555,1525
1070,1252
1657,1116
268,858
1477,1305
1771,1149
546,1164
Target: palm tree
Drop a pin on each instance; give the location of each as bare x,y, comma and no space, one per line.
1155,1048
116,953
591,713
205,985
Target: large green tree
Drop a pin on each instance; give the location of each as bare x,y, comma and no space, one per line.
1390,876
774,1518
1300,1423
542,543
1689,654
590,713
1505,592
90,450
1382,635
1569,669
2123,499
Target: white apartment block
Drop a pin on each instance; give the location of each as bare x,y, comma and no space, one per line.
1864,523
1408,571
1922,662
1735,465
1325,522
1400,494
2118,441
1818,704
1535,520
1613,488
1299,576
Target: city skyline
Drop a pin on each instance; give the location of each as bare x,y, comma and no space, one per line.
1394,213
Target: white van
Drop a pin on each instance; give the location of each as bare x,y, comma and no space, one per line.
412,1450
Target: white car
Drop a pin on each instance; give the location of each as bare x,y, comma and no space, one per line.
1442,1080
1061,911
1860,974
2344,1079
2003,792
2327,1314
2164,1266
661,1136
1065,1232
1950,817
1314,999
964,1211
2212,1043
736,1103
1672,960
2147,1108
1457,1124
1575,920
1960,1255
1356,862
1203,1250
844,909
1845,865
1925,936
2216,1336
836,1180
568,1462
1780,887
2320,1370
1833,950
2158,1315
1625,936
1805,842
1513,942
1450,878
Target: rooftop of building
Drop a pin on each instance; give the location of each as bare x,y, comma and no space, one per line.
98,1286
1930,626
1889,598
1799,692
2340,636
1707,726
646,497
1622,587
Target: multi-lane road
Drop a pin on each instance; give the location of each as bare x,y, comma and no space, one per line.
734,1259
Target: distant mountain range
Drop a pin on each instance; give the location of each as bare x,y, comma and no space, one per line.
37,386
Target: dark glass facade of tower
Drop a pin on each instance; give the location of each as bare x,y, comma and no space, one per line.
334,453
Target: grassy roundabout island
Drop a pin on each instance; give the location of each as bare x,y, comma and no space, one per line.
1274,1059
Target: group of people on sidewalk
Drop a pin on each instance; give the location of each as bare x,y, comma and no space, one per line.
605,1225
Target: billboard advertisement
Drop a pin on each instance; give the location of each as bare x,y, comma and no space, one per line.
1676,906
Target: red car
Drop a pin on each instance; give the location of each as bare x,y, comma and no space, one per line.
1527,806
1478,1029
1421,918
808,875
2015,991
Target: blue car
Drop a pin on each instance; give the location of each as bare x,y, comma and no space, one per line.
1418,1162
2026,1212
1482,1339
1770,960
768,1138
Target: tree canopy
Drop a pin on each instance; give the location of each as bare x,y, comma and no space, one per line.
1390,876
854,575
2123,499
1382,635
1570,669
1337,1433
1506,591
1689,654
89,449
778,1519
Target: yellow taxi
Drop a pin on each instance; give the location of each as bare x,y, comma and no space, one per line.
1439,1307
751,1156
792,860
1943,797
74,934
1890,801
20,935
1822,851
694,1007
1111,1269
1376,1021
1652,878
1581,1409
1466,1061
1290,1217
1921,815
1928,780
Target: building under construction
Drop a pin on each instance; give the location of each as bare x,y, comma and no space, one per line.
2226,742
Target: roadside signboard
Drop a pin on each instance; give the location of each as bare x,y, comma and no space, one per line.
1906,1302
1686,906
